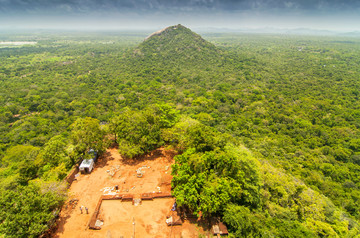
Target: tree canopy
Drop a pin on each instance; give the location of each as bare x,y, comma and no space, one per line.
267,127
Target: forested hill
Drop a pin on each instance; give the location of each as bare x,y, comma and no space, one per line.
177,44
268,126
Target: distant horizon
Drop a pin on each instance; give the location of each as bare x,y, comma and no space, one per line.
209,29
329,15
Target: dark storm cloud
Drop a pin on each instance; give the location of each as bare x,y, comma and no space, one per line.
84,6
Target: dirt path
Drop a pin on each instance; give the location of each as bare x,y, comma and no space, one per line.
118,216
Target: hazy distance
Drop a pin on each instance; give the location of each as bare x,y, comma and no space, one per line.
331,15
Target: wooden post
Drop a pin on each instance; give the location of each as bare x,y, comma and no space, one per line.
134,227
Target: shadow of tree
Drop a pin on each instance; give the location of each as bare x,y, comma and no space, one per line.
160,152
59,224
104,159
59,228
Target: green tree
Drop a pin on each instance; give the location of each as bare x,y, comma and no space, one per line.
208,181
138,132
54,151
27,210
86,133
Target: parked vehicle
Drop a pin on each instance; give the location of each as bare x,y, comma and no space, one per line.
87,165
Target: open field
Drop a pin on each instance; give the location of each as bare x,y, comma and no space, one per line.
118,216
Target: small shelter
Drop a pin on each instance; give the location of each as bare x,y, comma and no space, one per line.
86,166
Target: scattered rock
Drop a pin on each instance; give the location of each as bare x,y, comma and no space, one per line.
99,223
137,201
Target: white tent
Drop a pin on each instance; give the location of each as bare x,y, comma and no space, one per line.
86,166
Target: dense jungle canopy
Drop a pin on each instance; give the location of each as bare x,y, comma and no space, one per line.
267,126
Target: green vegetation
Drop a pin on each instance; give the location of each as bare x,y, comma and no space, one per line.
267,127
179,46
29,210
139,132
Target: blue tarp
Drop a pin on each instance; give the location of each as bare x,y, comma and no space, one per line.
94,154
173,207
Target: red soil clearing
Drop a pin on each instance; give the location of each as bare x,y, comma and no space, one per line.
119,216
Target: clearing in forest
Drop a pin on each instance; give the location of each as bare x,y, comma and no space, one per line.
118,216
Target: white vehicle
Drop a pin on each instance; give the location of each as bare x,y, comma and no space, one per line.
86,166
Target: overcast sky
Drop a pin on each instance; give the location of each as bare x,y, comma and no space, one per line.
155,14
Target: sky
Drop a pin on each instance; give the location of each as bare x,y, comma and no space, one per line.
156,14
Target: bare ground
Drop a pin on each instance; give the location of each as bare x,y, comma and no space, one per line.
118,216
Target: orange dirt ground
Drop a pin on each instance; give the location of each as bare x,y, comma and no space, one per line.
118,216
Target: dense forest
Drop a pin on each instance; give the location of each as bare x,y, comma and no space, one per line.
267,126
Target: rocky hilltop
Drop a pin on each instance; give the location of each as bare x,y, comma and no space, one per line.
176,43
